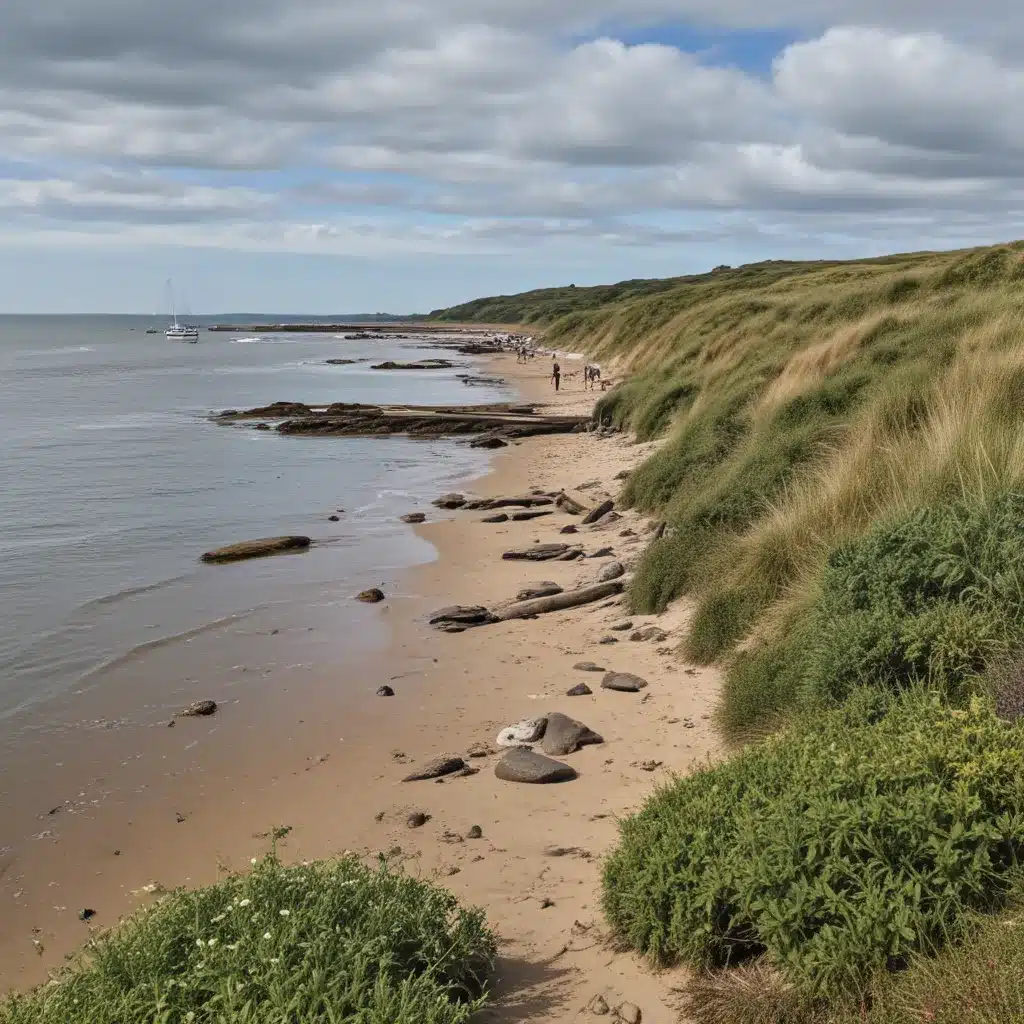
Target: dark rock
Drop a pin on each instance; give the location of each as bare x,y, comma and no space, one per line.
262,426
588,666
571,555
334,519
179,818
422,364
621,627
476,832
596,513
385,691
86,914
607,519
489,442
569,529
623,474
612,571
625,682
543,589
257,549
525,517
579,690
537,553
200,709
372,596
437,768
529,767
450,501
498,517
564,735
546,902
460,616
602,553
341,362
608,640
414,518
417,819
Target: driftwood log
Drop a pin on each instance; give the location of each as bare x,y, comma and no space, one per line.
557,602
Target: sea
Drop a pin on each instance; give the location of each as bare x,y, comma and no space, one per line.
114,480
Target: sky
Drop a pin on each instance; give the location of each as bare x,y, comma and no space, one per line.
328,156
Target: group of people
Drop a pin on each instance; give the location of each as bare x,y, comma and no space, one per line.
524,354
591,374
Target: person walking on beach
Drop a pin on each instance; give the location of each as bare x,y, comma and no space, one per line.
556,374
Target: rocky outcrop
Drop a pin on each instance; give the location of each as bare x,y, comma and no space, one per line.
257,549
420,364
564,735
624,682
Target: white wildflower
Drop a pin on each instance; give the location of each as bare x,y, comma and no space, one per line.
284,913
245,903
199,943
252,861
267,935
212,943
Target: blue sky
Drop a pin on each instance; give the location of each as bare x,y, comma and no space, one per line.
315,157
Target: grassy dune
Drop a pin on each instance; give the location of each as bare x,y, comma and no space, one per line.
842,480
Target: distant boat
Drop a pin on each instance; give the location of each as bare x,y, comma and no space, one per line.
179,332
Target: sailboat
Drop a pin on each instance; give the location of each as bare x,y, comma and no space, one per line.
179,332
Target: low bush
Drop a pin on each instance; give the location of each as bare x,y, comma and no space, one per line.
835,849
321,943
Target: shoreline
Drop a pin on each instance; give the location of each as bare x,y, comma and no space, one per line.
330,767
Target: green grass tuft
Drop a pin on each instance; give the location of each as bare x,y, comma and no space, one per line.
319,943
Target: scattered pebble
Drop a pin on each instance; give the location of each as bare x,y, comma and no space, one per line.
417,819
385,691
86,914
476,832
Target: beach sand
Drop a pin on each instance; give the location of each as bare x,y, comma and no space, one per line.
328,759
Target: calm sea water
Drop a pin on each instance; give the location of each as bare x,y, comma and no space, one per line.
113,482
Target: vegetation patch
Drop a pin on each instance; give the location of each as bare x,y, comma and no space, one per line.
835,850
319,943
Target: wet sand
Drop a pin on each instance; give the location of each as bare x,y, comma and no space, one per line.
321,753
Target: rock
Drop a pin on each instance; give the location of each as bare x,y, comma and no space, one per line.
596,513
628,1013
579,690
489,442
525,517
608,640
385,691
480,750
602,553
372,596
498,517
437,768
414,517
529,767
621,627
564,735
450,501
476,832
612,571
529,730
450,837
262,426
86,914
257,549
417,819
607,520
569,529
598,1006
461,616
588,666
421,364
623,474
628,533
341,362
649,633
543,589
625,682
546,902
334,519
200,709
537,553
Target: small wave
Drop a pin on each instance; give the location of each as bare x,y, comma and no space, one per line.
247,341
124,595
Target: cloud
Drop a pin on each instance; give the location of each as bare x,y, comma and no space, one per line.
470,126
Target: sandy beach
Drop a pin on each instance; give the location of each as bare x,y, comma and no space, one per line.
128,812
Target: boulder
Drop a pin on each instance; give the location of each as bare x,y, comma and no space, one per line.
624,682
257,549
579,690
372,596
489,442
564,735
527,766
621,627
588,666
612,571
414,517
200,709
525,517
417,819
498,517
649,633
460,616
608,640
385,691
543,589
602,553
537,553
476,832
436,769
421,364
450,501
529,730
569,529
596,513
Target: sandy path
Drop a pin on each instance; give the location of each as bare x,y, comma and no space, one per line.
332,768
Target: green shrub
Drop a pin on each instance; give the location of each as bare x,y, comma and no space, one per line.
836,849
320,943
